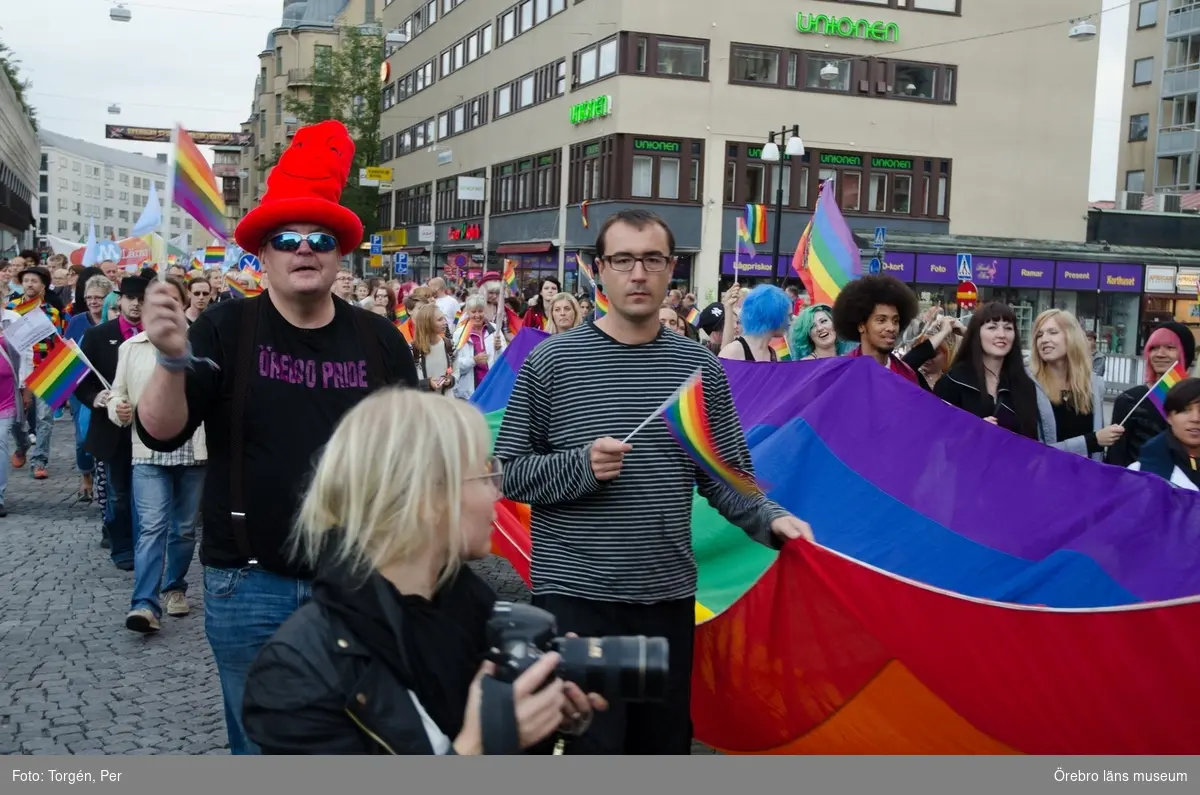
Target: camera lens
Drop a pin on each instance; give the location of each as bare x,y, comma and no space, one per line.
618,667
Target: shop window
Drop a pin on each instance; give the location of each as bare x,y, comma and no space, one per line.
529,183
662,169
591,167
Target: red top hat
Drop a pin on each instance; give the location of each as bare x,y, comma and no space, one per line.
305,187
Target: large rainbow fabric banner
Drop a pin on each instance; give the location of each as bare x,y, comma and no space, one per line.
827,258
955,603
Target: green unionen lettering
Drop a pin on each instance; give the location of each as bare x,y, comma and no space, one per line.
645,145
847,28
591,110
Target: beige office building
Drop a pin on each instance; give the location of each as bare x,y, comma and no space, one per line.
931,116
1160,136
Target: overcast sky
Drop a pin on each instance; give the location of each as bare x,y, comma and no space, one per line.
80,62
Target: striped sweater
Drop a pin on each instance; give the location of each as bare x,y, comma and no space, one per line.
629,539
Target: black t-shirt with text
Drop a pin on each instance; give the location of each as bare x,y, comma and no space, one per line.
301,383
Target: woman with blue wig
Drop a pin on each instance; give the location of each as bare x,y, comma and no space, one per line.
766,312
812,335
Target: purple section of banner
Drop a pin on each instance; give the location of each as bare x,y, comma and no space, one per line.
936,269
1076,275
990,271
1121,278
1031,273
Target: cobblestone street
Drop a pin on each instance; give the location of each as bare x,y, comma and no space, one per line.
73,680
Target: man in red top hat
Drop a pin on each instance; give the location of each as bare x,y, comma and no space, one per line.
269,377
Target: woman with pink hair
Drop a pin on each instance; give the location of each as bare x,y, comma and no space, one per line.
1169,343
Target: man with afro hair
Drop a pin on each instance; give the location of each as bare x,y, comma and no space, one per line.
872,310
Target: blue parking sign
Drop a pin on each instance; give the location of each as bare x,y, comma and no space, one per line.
376,244
400,262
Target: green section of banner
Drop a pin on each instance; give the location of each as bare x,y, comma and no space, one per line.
727,560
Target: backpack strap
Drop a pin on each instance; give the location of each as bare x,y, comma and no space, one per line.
237,429
376,373
746,349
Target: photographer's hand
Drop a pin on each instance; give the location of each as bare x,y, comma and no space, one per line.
577,712
539,712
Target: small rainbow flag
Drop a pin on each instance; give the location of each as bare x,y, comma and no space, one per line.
56,377
1158,392
687,419
401,315
510,275
462,335
756,222
214,255
826,258
782,352
583,218
408,330
693,317
744,243
585,273
602,305
236,286
194,187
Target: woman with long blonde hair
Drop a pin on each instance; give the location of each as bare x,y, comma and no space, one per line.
386,657
432,351
1070,397
563,313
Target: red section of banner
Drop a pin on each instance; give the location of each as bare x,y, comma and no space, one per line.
825,655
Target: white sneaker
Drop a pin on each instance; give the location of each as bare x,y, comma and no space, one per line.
177,604
141,620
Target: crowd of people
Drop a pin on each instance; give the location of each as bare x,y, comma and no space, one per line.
322,434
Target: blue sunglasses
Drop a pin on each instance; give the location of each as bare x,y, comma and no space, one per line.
319,242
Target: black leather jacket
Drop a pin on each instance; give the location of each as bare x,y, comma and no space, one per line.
1143,425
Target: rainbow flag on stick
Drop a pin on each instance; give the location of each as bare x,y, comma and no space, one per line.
235,286
687,419
827,258
510,275
693,317
1158,392
783,351
602,305
193,187
214,255
56,377
744,243
756,222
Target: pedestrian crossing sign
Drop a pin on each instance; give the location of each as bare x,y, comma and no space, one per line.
964,268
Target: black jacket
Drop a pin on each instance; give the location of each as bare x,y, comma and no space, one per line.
318,687
960,388
100,344
1144,424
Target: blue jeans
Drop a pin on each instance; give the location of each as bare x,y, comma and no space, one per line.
119,514
242,610
40,456
82,416
165,500
4,448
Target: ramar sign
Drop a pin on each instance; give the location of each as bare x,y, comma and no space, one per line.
847,27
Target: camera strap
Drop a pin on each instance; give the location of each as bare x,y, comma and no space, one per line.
498,718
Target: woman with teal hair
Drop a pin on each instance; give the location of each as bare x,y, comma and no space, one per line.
764,316
110,310
812,335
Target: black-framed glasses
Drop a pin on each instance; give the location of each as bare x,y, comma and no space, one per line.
320,242
653,263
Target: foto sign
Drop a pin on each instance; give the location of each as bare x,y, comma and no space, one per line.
591,110
847,27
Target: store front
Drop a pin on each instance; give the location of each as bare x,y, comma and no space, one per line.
533,267
752,271
1171,294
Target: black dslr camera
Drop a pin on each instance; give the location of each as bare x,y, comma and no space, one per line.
618,667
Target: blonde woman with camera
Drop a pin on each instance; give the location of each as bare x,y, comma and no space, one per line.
386,658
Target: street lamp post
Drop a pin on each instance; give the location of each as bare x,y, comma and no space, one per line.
770,154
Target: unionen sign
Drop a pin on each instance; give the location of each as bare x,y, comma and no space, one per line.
590,110
847,27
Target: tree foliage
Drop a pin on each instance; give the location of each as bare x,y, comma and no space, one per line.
12,71
346,88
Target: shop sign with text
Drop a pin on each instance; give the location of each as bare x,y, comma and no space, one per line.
847,27
591,110
652,145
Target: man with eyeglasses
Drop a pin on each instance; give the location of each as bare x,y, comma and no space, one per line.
269,377
611,522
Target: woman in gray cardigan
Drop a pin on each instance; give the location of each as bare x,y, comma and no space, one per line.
1060,361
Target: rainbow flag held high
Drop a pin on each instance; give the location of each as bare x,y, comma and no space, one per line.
55,378
1158,392
194,187
510,275
744,242
783,351
214,255
602,305
826,258
687,419
924,621
756,222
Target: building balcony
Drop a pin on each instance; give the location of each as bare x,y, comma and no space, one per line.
1181,80
1177,141
1183,22
231,197
301,77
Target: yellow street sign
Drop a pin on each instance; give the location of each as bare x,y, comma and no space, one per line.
379,174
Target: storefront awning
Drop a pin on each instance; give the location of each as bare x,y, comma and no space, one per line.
537,247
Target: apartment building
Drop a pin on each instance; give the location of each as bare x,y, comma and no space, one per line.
932,116
18,173
308,31
1160,142
79,181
